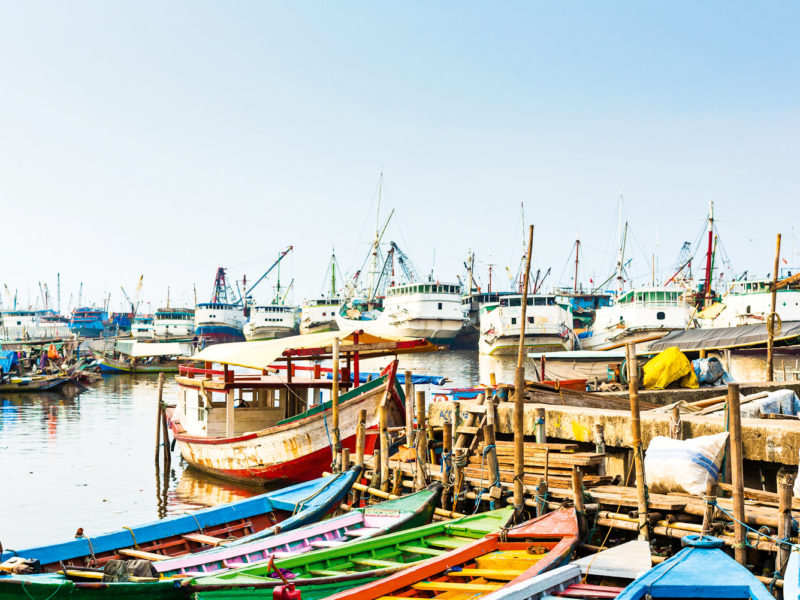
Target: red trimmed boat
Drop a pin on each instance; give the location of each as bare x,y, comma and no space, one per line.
270,425
484,566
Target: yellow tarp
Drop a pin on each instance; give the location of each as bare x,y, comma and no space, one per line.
259,355
667,367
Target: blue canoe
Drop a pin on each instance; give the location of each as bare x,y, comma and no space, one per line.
700,570
248,519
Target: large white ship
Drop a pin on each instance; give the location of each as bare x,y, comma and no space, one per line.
548,325
173,322
270,321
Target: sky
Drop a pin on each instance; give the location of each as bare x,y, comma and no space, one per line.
165,139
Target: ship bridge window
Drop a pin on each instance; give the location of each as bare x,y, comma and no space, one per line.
540,301
515,302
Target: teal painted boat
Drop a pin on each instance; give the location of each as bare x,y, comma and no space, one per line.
326,572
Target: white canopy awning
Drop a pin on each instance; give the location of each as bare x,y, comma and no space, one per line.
138,348
260,355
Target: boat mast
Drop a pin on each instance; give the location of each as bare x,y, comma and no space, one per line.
709,252
58,292
577,251
167,296
623,231
333,273
373,270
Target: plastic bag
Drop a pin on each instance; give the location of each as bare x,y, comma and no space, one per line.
683,465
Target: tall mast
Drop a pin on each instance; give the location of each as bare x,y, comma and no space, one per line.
524,248
333,273
577,251
373,271
167,296
58,292
709,253
621,252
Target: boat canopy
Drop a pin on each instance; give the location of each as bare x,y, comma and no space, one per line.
8,360
260,355
139,349
725,337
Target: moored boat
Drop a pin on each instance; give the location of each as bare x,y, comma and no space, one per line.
328,571
89,322
175,322
270,322
386,517
219,321
269,437
281,510
133,356
484,566
548,325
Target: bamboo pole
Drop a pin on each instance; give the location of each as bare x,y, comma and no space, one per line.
737,472
447,448
337,443
422,441
540,416
387,496
345,459
409,391
519,389
577,496
771,320
159,417
384,436
636,431
458,478
784,520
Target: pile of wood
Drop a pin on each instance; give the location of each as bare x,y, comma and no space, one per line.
551,462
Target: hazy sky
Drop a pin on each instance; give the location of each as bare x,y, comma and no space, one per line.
169,138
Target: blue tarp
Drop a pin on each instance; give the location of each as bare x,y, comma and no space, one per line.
401,378
8,360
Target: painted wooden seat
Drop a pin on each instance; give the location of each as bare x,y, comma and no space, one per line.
134,553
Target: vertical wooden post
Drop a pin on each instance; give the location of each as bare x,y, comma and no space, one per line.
422,441
708,515
771,320
577,496
159,417
337,442
361,435
229,416
345,464
519,391
737,473
447,448
492,379
457,477
540,425
600,446
636,431
784,519
384,437
409,391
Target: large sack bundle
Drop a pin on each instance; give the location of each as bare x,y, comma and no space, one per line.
683,465
667,367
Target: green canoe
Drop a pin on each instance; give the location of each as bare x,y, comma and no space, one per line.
322,573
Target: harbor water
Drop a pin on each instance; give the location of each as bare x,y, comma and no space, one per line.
86,459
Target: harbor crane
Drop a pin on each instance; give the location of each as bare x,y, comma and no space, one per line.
409,272
267,272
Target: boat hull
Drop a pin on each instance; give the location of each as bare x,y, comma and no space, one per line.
436,331
262,332
509,345
319,327
296,450
34,385
642,338
218,334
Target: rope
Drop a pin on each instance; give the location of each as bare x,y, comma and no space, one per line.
91,551
780,542
58,589
610,527
135,545
330,442
199,528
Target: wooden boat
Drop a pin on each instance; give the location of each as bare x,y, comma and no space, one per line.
598,576
406,512
325,572
35,383
791,577
700,570
109,364
260,516
484,566
264,437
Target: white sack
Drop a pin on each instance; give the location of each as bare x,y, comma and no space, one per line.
683,465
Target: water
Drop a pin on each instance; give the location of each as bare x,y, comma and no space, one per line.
87,460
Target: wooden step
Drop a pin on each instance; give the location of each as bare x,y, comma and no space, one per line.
502,574
324,573
421,550
361,531
326,543
476,409
202,538
376,562
467,430
134,553
453,586
449,541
